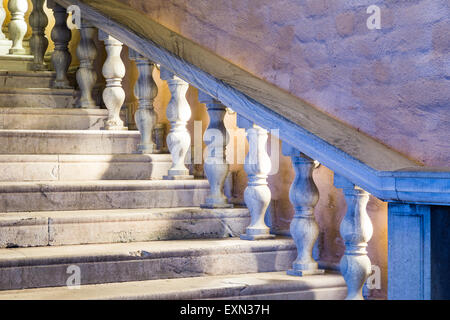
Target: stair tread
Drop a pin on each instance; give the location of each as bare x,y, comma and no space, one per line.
14,257
205,287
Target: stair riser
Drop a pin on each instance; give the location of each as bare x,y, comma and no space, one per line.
48,121
7,81
37,100
97,200
138,270
74,143
42,231
61,171
16,65
30,79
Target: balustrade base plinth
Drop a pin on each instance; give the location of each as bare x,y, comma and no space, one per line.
150,151
17,51
39,67
147,149
78,106
257,233
61,85
302,273
178,177
253,237
114,127
216,205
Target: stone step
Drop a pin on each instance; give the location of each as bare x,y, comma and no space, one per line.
22,268
253,286
25,167
16,62
53,119
68,142
101,194
30,79
37,98
54,228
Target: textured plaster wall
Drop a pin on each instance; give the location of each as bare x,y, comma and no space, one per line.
392,83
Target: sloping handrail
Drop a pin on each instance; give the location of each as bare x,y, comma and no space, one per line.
381,171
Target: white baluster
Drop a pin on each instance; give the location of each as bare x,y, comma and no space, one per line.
145,91
215,166
61,35
356,230
17,26
304,196
257,195
38,41
113,70
86,75
178,113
